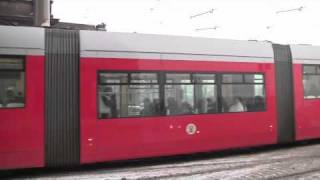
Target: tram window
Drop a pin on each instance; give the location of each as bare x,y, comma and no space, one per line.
178,78
12,77
311,81
139,97
245,95
204,78
253,78
179,99
205,93
232,78
144,78
140,94
309,69
114,78
179,94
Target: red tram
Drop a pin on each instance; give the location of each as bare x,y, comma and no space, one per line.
74,97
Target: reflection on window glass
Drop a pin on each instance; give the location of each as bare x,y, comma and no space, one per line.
309,69
113,78
144,78
139,94
253,78
311,85
178,78
232,78
247,96
11,83
11,63
129,100
206,99
179,99
311,81
109,98
204,78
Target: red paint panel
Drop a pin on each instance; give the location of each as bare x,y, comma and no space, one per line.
127,138
307,110
22,129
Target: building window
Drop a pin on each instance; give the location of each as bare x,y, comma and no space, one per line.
12,82
311,81
128,95
242,92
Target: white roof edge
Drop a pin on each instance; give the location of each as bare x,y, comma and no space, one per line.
93,41
305,52
26,40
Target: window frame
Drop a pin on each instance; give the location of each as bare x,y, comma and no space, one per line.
23,59
127,84
246,83
310,74
192,82
162,82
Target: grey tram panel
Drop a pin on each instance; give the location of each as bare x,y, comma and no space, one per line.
62,129
149,46
284,93
21,40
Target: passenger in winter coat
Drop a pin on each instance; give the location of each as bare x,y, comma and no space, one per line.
237,106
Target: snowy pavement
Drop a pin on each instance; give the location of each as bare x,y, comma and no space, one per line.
290,162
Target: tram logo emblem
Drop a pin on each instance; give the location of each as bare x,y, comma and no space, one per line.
191,129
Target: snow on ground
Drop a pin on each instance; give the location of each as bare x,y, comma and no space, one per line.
290,162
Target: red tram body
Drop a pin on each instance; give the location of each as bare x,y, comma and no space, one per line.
63,75
306,109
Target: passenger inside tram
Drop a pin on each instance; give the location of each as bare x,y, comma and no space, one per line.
156,106
211,106
13,100
173,107
108,106
186,108
259,104
237,106
148,107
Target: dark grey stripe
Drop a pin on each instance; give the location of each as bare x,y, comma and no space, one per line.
62,98
285,95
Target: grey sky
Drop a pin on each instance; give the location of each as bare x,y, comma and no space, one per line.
235,19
